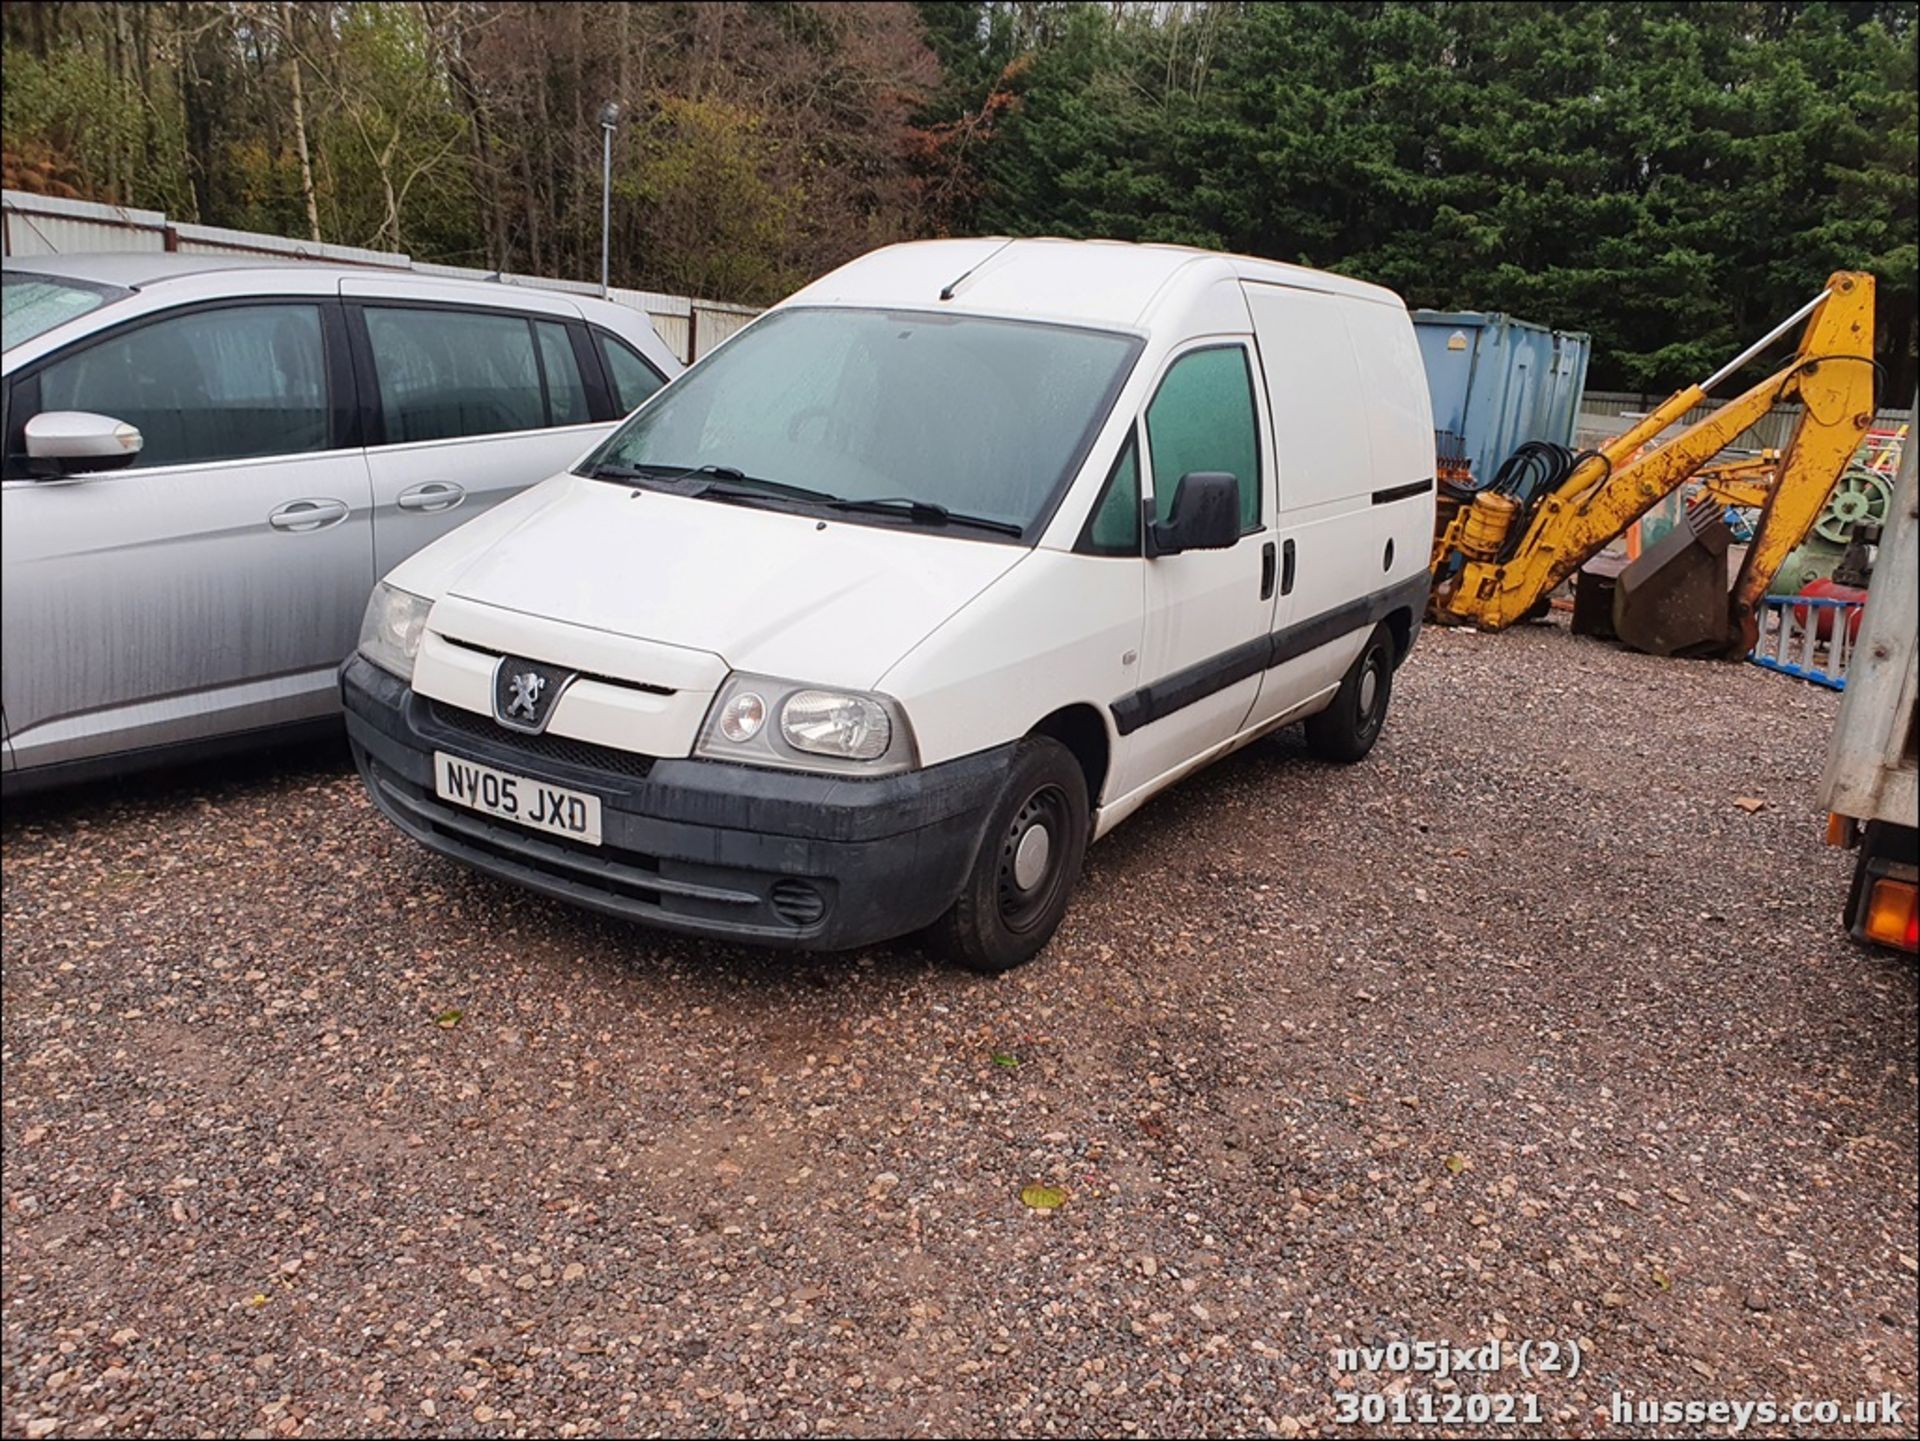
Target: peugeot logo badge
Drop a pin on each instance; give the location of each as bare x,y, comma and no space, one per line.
525,693
526,688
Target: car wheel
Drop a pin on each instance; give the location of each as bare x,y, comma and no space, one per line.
1029,860
1346,730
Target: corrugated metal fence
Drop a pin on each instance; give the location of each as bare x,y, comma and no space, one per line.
1769,433
48,225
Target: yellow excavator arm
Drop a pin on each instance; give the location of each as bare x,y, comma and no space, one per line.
1745,483
1496,559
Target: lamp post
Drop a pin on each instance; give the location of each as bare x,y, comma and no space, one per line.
609,119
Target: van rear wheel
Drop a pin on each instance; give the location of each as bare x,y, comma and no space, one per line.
1029,860
1346,730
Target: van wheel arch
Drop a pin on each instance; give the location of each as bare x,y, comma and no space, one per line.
1399,624
1081,730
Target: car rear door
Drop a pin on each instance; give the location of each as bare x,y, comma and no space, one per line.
466,402
215,584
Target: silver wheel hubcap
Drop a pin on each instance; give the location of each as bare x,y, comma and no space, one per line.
1030,857
1369,688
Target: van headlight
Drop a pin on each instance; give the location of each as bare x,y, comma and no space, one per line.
391,630
769,722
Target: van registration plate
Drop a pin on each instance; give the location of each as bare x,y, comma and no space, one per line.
521,799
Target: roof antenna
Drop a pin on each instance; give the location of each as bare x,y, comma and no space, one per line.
946,292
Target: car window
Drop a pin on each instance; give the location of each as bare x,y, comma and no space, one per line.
219,384
33,304
633,379
1113,528
566,391
1202,418
450,373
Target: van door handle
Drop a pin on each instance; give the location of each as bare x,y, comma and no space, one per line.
432,495
1266,571
1286,568
305,515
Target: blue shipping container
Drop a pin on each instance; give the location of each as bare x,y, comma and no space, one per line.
1498,382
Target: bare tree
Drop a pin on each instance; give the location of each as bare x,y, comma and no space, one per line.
298,92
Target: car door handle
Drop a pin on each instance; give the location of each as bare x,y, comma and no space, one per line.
433,495
1266,571
309,514
1286,568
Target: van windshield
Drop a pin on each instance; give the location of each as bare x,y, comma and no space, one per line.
980,418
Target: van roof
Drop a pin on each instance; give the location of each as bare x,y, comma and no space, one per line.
1106,283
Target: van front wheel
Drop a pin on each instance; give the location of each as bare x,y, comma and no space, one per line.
1029,860
1346,730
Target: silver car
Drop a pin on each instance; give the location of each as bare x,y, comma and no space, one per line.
210,460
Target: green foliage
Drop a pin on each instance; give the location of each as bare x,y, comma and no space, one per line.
108,137
702,176
1671,177
389,141
760,144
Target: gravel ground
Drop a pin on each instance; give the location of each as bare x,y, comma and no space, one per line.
1522,1029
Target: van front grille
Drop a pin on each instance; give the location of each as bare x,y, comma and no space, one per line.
582,754
644,687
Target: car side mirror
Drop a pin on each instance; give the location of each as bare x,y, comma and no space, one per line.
1205,514
75,442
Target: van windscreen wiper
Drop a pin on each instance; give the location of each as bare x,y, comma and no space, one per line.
726,482
611,470
738,482
926,512
734,482
669,475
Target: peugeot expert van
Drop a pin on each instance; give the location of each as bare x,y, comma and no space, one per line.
932,575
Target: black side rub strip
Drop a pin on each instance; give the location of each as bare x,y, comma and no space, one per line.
1402,492
1181,689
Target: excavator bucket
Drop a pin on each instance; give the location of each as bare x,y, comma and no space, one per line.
1593,591
1673,599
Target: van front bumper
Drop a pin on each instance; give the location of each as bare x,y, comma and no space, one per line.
747,853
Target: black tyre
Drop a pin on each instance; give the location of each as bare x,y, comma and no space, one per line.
1346,730
1029,860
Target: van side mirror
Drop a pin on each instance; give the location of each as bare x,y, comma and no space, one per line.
74,442
1205,514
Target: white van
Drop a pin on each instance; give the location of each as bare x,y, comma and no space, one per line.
933,574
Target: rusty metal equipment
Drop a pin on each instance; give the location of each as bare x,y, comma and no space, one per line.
1496,564
1593,591
1450,456
1745,482
1673,599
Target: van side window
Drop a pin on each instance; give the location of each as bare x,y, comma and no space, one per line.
221,384
448,373
1202,418
1113,526
566,391
633,379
